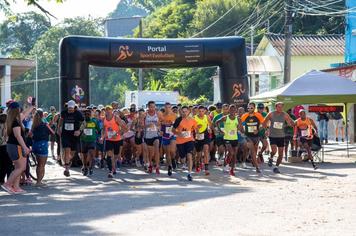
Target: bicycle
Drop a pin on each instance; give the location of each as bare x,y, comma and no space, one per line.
32,162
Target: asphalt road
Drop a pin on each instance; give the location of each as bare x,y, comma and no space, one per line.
299,201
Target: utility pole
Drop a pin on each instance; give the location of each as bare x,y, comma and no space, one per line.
288,40
36,81
140,70
252,32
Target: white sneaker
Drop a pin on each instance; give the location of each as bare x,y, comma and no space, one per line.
138,164
244,165
184,166
227,168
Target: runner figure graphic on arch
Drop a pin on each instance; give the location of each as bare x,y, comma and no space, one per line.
238,90
124,53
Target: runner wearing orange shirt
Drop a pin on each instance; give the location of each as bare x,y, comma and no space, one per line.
183,128
252,121
303,130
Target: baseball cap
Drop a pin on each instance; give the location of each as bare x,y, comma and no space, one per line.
14,105
260,105
301,110
108,107
71,104
52,108
219,105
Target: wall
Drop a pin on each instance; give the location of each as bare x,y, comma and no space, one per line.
303,64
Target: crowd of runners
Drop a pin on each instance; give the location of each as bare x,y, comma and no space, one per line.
187,138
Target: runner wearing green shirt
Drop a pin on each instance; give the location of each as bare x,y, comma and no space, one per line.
262,133
219,137
90,130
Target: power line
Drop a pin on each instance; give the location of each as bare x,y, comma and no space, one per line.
212,24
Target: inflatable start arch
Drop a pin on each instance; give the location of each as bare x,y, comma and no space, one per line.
78,52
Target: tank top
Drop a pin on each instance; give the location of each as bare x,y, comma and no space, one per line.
277,127
230,128
203,122
166,128
129,133
112,130
304,128
151,122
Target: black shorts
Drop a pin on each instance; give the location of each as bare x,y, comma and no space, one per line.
150,141
113,146
287,140
71,142
185,148
233,143
308,141
219,141
199,144
86,146
279,142
252,139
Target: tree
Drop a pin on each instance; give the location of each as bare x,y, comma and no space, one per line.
19,33
127,8
151,5
5,6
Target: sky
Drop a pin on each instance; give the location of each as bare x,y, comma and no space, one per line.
67,9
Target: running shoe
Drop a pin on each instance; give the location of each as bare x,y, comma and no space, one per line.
66,173
258,171
184,166
276,170
85,171
197,169
150,169
189,177
270,162
114,173
243,165
207,173
157,171
145,167
110,175
232,173
169,170
315,167
227,168
91,171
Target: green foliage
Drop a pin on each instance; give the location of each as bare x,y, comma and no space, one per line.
151,5
127,8
170,21
19,33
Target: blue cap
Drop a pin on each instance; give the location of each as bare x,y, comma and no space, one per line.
14,105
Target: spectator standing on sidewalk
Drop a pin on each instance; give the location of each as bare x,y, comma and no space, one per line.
323,119
339,125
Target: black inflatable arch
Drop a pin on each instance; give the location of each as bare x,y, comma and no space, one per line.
78,52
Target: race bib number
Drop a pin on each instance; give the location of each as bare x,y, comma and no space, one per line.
251,129
199,136
69,126
232,132
111,134
305,133
186,134
169,130
152,129
88,132
278,125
